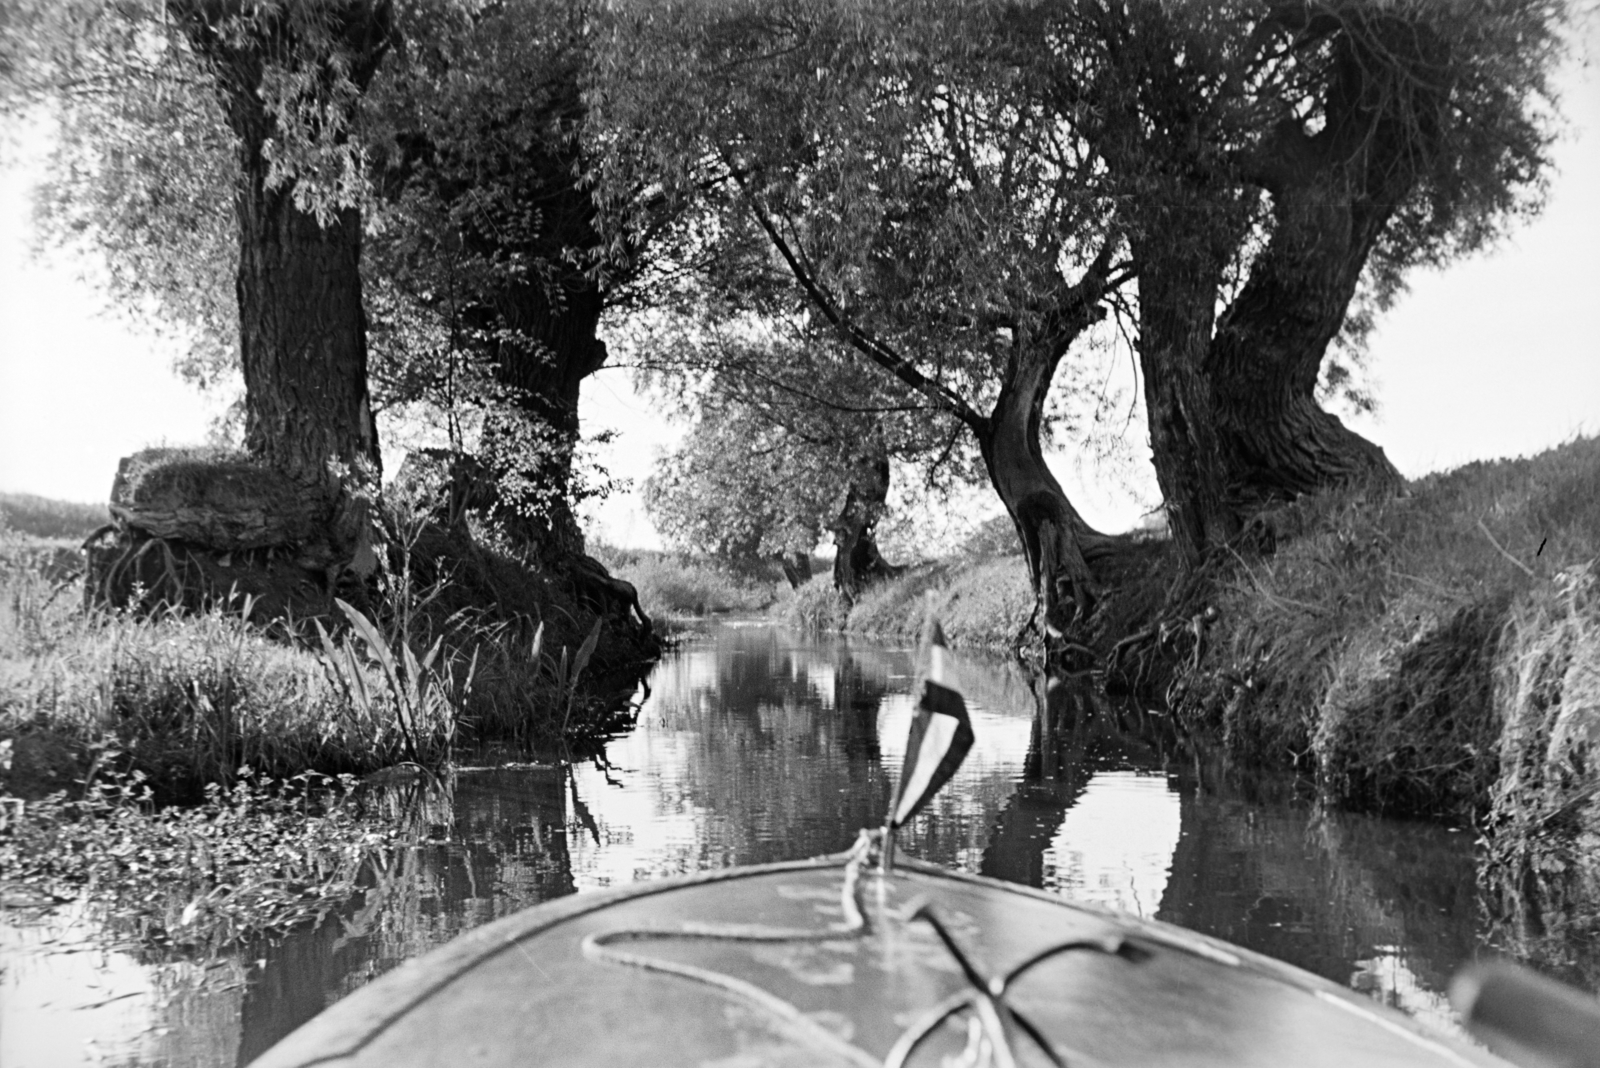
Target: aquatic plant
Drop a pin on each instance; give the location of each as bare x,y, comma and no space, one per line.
253,857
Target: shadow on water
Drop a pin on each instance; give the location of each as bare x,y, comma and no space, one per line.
756,745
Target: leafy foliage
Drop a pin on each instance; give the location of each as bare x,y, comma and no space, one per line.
256,857
145,164
739,487
931,207
938,181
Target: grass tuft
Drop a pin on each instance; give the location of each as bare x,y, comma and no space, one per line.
817,607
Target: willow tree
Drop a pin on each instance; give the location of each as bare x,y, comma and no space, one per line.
482,273
934,217
1275,162
286,82
288,78
493,234
960,190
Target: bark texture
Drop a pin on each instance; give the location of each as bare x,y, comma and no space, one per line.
857,563
1333,193
302,329
1177,295
1264,437
1059,544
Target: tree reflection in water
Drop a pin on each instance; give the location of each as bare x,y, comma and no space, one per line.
757,745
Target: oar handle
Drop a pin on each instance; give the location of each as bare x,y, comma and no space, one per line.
1527,1018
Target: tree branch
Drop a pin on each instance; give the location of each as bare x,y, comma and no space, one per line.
858,338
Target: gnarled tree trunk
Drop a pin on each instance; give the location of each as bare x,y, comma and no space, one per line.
1265,359
1058,543
857,562
1177,295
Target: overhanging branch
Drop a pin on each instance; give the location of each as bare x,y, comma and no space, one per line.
859,339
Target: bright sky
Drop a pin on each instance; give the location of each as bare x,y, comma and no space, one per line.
1497,356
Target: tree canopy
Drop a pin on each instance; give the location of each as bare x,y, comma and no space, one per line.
964,193
961,199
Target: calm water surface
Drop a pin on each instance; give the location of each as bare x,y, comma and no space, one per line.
755,745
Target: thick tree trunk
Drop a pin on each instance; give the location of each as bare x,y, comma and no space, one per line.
857,562
302,337
1176,300
1264,362
553,348
302,330
1333,192
1234,419
1057,541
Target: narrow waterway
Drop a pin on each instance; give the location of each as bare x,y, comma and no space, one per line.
756,745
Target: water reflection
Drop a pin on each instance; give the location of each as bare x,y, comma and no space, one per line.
757,746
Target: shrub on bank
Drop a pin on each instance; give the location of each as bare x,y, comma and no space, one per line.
817,607
1367,645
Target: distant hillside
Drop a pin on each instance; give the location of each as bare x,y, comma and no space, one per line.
46,518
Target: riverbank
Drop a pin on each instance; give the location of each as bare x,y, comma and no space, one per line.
1436,655
133,742
460,643
1410,651
676,589
1433,655
1414,651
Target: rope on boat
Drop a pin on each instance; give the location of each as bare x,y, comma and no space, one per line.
989,1036
600,947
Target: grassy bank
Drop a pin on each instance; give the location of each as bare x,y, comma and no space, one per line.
676,589
1436,654
1439,655
981,603
108,718
186,699
1403,648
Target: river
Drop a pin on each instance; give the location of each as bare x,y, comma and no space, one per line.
755,745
